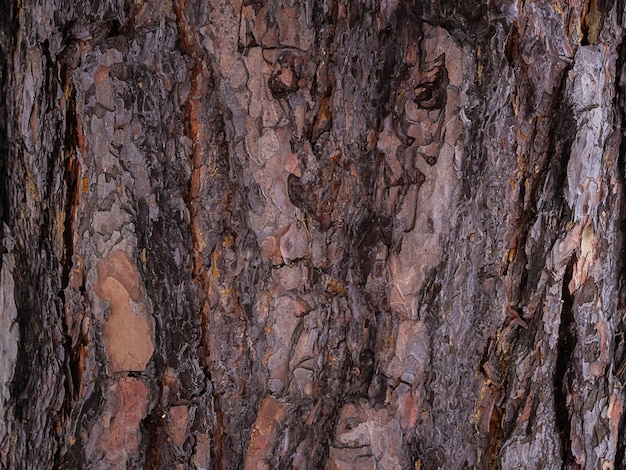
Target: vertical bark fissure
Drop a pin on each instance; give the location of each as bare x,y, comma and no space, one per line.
196,116
592,20
37,201
619,347
6,39
565,346
72,199
619,338
221,241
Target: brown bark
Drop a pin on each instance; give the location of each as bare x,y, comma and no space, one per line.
312,234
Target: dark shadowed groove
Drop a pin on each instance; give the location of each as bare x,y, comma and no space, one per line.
620,336
5,54
225,227
565,346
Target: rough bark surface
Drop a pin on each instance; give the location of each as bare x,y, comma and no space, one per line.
312,234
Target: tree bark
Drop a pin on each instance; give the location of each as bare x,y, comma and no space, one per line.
312,234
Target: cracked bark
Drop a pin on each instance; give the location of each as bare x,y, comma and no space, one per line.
312,234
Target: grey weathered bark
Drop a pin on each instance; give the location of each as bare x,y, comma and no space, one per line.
312,234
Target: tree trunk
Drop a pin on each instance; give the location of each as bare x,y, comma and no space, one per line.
312,234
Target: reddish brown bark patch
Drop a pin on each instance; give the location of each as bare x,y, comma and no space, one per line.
117,436
263,433
128,332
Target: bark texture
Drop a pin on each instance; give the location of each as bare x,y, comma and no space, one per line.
312,234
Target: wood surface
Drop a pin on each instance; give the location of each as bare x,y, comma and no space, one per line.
307,234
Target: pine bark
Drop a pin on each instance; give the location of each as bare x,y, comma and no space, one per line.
312,234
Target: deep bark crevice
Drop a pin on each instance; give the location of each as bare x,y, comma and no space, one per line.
565,347
619,341
6,38
68,149
592,20
619,366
